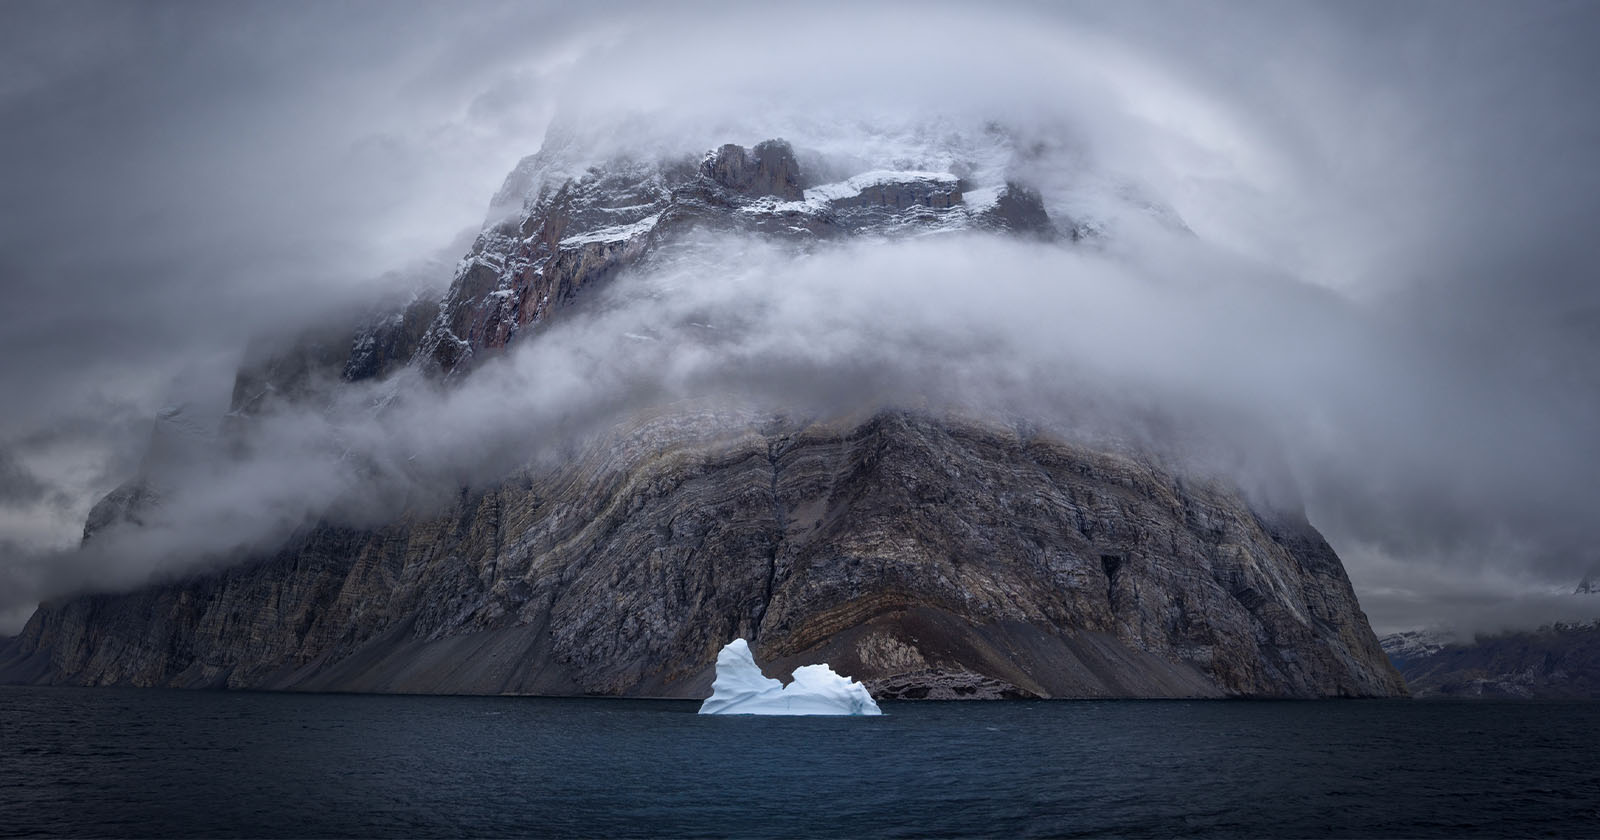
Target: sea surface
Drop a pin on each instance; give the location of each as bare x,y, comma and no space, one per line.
127,762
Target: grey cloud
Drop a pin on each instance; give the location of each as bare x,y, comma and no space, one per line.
1404,300
20,487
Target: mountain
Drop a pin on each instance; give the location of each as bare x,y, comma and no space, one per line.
1413,644
927,553
1558,661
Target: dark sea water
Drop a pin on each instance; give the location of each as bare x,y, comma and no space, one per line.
112,762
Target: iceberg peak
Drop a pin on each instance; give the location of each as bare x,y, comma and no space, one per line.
741,689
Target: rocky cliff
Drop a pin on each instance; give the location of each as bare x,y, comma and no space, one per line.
920,555
928,555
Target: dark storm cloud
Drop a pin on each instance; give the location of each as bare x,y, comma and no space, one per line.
1407,307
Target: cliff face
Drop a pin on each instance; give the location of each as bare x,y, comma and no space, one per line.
929,556
925,557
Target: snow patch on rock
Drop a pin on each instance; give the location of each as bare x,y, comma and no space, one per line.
616,233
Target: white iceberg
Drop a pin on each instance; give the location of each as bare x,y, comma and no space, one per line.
741,689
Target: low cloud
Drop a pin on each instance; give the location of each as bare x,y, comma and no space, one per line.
19,487
1227,368
1389,290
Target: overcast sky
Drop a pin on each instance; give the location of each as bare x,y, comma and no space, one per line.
1410,190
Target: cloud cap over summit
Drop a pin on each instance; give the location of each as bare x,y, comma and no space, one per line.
181,177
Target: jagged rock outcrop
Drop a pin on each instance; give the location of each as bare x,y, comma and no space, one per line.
925,555
1556,662
938,684
920,554
572,235
768,169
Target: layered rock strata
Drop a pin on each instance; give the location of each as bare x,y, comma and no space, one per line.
922,556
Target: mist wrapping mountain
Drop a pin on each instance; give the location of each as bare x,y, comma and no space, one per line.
1556,662
1559,661
690,447
1389,281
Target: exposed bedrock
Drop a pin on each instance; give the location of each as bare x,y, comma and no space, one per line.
767,170
925,557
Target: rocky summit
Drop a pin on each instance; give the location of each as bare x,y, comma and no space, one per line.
924,554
